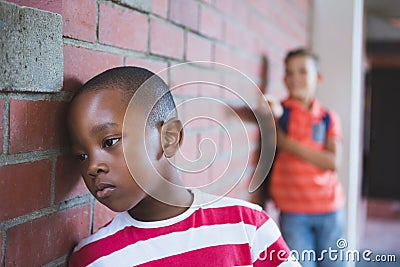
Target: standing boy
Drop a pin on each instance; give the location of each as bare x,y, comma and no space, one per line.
148,231
304,184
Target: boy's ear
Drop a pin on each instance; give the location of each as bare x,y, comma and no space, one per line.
171,136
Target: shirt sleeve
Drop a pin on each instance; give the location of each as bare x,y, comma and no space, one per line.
335,128
73,261
268,247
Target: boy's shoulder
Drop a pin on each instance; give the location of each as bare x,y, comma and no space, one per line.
213,201
118,223
228,209
317,109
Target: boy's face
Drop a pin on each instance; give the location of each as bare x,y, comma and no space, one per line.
95,122
301,78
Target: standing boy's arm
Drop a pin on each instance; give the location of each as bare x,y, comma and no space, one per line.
328,158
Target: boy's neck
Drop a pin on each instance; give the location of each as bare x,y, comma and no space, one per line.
150,209
306,103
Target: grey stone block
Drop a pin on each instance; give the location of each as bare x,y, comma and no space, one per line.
31,55
144,5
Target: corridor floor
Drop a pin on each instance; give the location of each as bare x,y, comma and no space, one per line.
382,233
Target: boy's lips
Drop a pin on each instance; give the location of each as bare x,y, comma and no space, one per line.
104,189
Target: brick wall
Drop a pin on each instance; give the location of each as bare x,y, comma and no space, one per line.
45,207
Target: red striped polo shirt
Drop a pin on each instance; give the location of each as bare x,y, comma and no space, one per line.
297,185
226,232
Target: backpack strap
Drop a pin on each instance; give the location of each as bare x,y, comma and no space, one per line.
326,119
283,121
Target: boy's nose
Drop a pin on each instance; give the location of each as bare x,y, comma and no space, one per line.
96,167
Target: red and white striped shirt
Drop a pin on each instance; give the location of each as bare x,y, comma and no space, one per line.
226,232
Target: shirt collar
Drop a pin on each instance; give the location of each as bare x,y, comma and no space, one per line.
315,110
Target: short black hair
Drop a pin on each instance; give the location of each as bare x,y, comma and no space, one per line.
301,51
129,80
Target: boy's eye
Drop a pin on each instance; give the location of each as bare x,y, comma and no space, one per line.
82,157
111,141
303,71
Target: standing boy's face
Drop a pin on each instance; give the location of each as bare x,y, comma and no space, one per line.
95,123
301,78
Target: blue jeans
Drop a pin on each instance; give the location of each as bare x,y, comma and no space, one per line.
312,236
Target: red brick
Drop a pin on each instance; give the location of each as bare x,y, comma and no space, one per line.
237,10
54,6
223,55
81,64
1,124
238,62
212,142
240,139
184,78
102,215
233,35
236,172
265,8
79,19
152,65
160,7
298,15
190,90
198,48
241,189
184,12
261,27
166,39
211,23
292,26
241,38
211,74
304,7
69,182
253,133
252,67
198,113
123,28
241,11
36,125
25,188
233,89
43,240
229,173
224,6
219,168
211,90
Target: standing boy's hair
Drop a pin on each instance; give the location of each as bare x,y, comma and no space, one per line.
129,80
302,52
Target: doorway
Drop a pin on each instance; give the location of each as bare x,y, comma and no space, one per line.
381,177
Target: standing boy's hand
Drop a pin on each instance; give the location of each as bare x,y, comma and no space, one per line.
275,104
